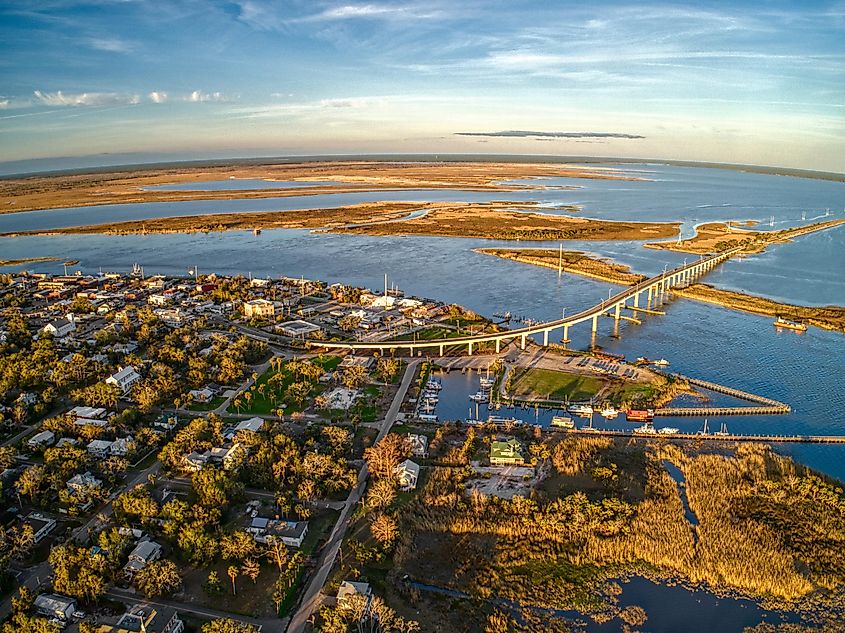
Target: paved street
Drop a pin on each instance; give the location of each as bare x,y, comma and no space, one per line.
311,597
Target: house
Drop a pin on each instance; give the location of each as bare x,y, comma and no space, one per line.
407,473
52,605
42,439
94,413
125,379
259,308
41,525
146,618
201,395
506,453
253,424
90,422
144,552
99,448
81,483
194,462
349,588
171,317
228,456
291,533
419,445
299,329
60,327
122,446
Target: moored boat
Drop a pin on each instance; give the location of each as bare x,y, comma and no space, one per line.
639,415
790,325
563,422
609,412
585,410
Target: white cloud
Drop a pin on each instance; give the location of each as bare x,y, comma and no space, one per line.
60,98
157,96
198,96
4,103
110,45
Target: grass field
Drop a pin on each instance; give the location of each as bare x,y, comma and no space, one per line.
274,396
546,384
207,406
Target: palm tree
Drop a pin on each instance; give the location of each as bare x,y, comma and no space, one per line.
233,574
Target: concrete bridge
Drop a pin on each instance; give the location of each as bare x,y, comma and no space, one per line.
651,289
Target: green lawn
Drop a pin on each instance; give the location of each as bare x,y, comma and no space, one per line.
265,405
547,384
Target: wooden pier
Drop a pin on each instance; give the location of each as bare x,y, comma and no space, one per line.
716,411
718,437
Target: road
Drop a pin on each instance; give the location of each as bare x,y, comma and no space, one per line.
266,625
311,597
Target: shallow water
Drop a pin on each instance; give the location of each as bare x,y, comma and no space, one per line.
243,184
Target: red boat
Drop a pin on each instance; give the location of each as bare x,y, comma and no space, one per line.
640,415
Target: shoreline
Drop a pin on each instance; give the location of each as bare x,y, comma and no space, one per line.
95,189
720,236
483,220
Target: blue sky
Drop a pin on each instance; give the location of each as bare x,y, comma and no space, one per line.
747,82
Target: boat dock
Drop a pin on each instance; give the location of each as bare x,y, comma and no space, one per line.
720,437
717,411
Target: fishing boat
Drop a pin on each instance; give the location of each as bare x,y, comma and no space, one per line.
609,412
478,396
723,430
645,429
71,262
585,410
667,430
433,384
790,325
137,270
661,363
639,415
563,422
495,419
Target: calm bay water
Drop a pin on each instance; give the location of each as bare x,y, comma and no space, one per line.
740,350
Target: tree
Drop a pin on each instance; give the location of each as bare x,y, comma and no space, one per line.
233,575
387,454
277,552
30,482
227,625
387,368
384,529
353,377
250,568
213,585
349,322
381,494
76,573
158,578
215,487
237,546
297,392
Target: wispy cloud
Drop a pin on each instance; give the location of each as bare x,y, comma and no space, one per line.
551,135
158,96
110,45
4,103
198,96
60,98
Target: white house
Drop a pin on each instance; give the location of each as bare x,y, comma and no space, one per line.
144,552
253,424
81,483
99,448
60,327
407,474
201,395
44,438
41,525
122,446
291,533
419,445
125,379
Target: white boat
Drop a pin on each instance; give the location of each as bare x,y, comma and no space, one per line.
645,429
479,396
495,419
668,430
609,412
487,383
662,362
564,422
581,409
433,384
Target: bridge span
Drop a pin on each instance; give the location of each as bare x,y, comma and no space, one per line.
653,288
